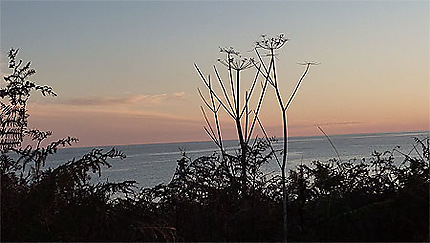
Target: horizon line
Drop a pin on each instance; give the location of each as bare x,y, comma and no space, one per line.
203,141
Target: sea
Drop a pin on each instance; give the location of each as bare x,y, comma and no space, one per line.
153,164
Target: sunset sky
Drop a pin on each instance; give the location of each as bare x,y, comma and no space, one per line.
124,73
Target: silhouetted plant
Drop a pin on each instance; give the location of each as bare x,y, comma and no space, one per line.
204,203
230,100
60,204
356,200
242,115
14,97
271,45
362,201
381,199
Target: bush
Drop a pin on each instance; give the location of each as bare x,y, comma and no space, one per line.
207,200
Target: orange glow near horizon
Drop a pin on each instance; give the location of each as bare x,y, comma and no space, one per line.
124,72
119,127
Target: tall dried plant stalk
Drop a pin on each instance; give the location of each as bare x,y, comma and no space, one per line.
271,45
231,101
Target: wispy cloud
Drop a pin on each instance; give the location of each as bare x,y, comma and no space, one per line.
179,94
338,123
134,106
134,99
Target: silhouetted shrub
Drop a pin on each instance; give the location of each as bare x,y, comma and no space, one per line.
377,200
358,200
362,201
60,204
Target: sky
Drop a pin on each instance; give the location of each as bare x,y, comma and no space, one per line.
124,70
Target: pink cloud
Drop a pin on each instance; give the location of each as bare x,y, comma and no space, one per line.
135,99
100,125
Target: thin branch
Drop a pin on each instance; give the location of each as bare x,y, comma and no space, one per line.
207,121
217,122
238,94
275,78
298,84
213,92
230,72
270,143
275,81
213,139
204,100
260,101
201,74
332,144
223,88
248,97
266,70
246,116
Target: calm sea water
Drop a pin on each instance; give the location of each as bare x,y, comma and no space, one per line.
152,164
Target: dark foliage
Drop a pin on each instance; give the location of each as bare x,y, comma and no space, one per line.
205,203
60,204
376,200
328,201
13,116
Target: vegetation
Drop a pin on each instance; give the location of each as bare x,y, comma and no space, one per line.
358,200
244,117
